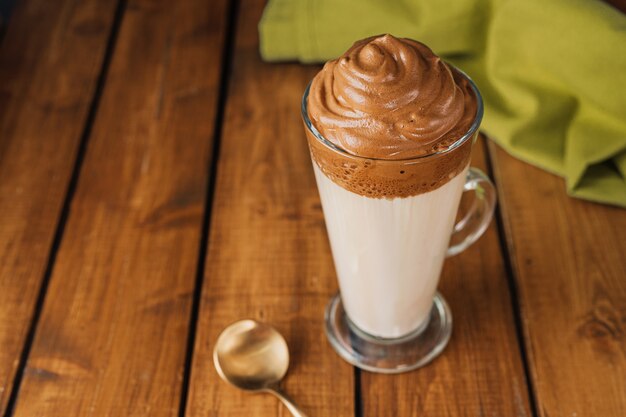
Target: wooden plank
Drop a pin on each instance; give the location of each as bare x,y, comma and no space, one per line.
113,331
480,373
268,255
45,96
569,261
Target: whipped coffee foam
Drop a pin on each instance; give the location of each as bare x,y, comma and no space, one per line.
390,99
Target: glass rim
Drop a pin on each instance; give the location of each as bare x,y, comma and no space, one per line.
467,135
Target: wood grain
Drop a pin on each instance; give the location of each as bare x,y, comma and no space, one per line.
45,95
480,373
569,261
113,331
268,255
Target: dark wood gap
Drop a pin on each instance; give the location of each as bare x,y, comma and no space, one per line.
5,17
225,73
358,399
512,283
71,189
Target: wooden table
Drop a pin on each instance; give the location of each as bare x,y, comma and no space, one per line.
155,186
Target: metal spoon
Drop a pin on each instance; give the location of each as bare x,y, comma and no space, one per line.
254,357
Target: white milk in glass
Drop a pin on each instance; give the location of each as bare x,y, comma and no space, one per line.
389,253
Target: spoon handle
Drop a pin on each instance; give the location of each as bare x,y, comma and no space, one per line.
291,406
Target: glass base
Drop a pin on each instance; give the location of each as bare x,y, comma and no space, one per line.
388,356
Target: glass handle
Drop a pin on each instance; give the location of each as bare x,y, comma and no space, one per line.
475,222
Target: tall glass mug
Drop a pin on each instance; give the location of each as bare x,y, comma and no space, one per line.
388,252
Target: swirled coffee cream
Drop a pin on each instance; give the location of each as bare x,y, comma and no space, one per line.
386,127
390,99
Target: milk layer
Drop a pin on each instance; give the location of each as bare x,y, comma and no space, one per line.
389,253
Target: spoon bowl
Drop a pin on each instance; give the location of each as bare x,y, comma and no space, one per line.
251,355
254,356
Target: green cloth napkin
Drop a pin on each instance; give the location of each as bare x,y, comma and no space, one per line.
552,72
